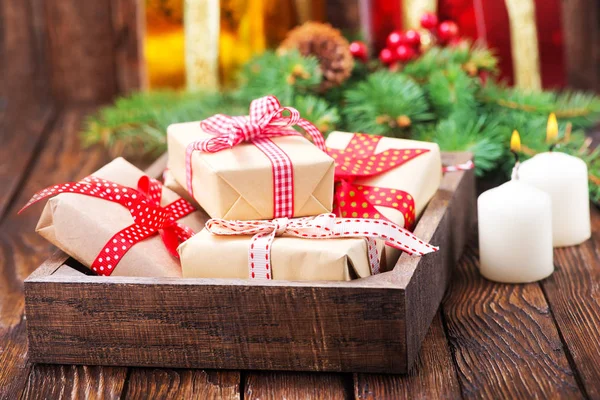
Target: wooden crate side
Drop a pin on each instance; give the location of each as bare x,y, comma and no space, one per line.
91,321
428,284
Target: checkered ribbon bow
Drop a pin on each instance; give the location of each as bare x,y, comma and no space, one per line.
144,205
324,226
266,120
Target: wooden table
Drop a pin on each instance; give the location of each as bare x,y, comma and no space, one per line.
488,340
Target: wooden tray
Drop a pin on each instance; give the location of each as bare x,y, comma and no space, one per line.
375,324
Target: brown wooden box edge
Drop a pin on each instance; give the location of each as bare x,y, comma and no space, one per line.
376,324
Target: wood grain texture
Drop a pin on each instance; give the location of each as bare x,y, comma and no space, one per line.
574,295
74,382
22,250
22,48
182,384
287,385
81,50
22,131
581,33
432,377
424,293
128,20
504,339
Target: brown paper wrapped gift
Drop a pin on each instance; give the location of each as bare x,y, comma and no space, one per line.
294,259
420,176
237,183
81,225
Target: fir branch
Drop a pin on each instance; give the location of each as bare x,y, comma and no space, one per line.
316,110
451,90
135,126
282,75
386,103
466,132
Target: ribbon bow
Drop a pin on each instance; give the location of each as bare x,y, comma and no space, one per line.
266,120
143,204
359,160
324,226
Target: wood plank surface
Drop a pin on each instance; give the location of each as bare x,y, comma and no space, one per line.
573,292
74,382
581,33
289,385
128,21
22,250
504,339
145,383
432,377
81,50
22,44
23,129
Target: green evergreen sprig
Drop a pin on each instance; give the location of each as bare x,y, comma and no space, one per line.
386,103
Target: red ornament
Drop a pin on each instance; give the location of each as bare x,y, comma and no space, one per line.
386,56
405,53
412,38
394,40
447,31
429,20
359,50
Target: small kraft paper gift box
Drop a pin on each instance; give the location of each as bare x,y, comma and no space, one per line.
321,248
253,167
118,222
384,178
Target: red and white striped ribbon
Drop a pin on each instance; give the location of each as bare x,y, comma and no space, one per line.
266,120
324,226
459,167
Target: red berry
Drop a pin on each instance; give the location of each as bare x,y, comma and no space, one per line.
359,50
405,53
447,31
394,40
429,20
386,56
412,38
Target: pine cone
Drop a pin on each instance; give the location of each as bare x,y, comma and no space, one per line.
328,45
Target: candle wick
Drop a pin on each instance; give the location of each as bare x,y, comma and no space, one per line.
552,147
515,171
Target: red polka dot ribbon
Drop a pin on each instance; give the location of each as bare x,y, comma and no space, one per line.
359,160
266,120
144,205
324,226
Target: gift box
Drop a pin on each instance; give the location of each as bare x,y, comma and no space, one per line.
384,178
255,167
293,259
170,183
321,248
89,228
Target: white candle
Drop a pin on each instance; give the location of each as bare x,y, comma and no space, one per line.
565,179
515,233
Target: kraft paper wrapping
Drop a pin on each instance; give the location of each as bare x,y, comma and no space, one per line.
294,259
237,183
420,177
170,183
81,225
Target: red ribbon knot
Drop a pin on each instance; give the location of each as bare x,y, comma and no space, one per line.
360,160
143,203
